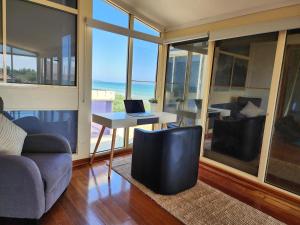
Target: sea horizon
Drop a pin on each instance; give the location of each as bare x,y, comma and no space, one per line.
139,90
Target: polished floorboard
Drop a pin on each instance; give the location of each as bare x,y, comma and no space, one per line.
92,199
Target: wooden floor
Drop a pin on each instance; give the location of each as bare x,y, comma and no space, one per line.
92,199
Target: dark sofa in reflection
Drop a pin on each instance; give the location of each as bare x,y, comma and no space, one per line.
238,136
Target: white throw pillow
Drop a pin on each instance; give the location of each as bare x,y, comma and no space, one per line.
251,110
11,137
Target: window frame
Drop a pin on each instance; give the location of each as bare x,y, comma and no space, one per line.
131,34
188,66
276,74
235,57
46,97
51,5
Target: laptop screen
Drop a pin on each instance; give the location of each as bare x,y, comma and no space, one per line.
134,106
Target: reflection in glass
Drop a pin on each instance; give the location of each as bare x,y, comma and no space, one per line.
283,165
183,90
62,122
109,82
238,100
106,12
44,52
142,27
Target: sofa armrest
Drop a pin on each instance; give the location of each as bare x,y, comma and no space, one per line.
21,188
46,143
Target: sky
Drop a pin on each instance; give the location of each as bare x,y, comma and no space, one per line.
110,49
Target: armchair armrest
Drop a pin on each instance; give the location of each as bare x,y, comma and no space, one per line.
21,188
46,143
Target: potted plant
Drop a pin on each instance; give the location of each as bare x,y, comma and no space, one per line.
153,104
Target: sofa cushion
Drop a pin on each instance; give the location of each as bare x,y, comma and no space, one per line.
11,137
53,167
251,110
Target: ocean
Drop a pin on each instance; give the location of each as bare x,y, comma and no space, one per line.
138,91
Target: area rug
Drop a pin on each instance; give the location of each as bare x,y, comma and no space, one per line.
200,205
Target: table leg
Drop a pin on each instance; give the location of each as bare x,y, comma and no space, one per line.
97,144
113,141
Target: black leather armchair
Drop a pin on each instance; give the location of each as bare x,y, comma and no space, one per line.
240,138
237,135
166,161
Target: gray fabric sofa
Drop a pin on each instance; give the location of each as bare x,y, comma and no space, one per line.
30,184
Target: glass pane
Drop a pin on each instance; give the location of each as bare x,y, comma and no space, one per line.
144,91
141,27
144,63
44,52
236,116
109,82
62,122
70,3
144,68
283,165
223,72
239,73
106,12
183,92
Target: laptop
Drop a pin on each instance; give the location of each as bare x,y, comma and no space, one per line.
136,108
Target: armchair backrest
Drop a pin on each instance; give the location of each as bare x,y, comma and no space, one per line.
166,160
182,137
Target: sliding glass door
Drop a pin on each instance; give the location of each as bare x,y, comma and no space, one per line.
183,88
238,100
283,166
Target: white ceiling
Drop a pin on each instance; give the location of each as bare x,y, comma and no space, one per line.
175,14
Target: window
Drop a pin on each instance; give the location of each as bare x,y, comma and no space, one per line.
44,52
69,3
115,77
108,13
233,135
141,27
232,70
283,165
183,92
144,69
109,81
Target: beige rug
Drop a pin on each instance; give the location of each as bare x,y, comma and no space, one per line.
201,204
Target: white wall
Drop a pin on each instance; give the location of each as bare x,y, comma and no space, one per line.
218,97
